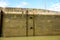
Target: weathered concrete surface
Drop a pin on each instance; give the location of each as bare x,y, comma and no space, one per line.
30,22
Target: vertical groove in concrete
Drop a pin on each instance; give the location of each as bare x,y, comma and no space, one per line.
33,25
27,23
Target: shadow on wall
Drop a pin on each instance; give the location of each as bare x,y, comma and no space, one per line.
1,21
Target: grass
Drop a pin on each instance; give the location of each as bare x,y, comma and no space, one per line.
33,38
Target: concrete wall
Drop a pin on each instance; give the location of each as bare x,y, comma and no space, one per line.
14,25
30,22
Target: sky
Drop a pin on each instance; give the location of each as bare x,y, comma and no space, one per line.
40,4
